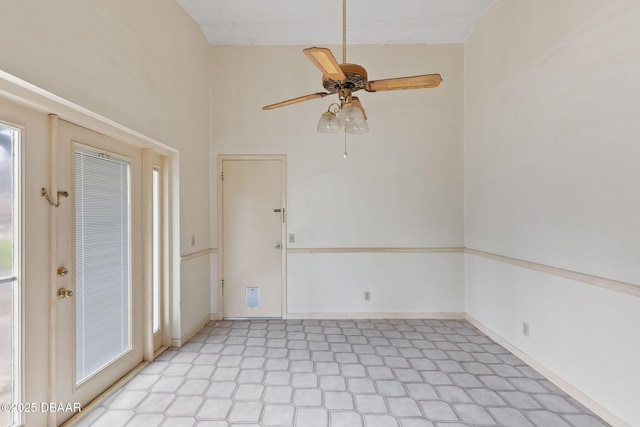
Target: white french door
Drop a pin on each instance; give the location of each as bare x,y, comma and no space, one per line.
97,263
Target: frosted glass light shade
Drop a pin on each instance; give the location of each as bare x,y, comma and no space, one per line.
328,123
350,114
357,128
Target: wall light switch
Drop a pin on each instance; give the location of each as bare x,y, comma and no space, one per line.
292,238
193,240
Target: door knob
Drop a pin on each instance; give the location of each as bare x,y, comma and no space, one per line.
277,246
62,271
65,293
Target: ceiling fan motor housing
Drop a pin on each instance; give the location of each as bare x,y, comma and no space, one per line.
356,79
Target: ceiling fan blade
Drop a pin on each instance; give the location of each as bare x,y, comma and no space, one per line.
416,82
296,100
357,103
326,62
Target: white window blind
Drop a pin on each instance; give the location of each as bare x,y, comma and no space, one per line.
103,291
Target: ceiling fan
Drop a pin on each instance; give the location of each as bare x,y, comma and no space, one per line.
345,79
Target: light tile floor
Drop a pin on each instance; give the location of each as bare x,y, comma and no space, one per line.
320,373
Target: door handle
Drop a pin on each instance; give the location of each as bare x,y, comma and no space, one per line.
277,246
65,293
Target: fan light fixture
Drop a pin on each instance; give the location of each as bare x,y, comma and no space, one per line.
344,79
348,117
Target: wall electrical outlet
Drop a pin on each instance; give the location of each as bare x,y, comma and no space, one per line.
292,238
525,329
367,296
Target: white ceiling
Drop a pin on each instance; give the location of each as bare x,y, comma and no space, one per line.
306,22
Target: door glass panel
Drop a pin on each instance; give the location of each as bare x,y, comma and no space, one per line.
103,288
156,250
9,315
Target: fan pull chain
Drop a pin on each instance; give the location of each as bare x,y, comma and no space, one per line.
345,155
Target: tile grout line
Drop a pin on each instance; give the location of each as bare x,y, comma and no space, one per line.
408,366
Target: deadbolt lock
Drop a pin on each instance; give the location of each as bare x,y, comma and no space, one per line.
65,293
62,271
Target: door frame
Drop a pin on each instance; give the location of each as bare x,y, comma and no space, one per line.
283,167
154,344
26,107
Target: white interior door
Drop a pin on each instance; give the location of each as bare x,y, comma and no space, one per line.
97,258
252,237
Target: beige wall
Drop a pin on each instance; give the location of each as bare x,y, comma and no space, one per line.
143,64
544,93
551,176
400,187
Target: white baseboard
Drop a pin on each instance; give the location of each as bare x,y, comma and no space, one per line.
179,342
585,400
378,315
